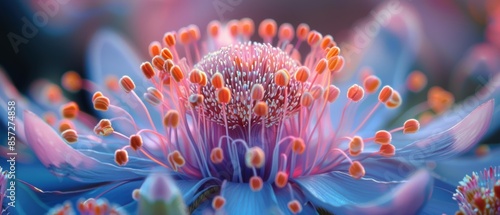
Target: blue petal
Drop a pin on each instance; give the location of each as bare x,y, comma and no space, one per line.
432,143
240,199
283,197
63,160
191,189
441,201
341,194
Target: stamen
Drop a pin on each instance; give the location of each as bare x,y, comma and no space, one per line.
267,30
70,136
282,78
286,32
135,142
204,79
334,51
101,103
317,91
411,126
371,83
302,73
387,150
356,170
331,93
217,80
169,39
394,101
416,81
103,128
261,109
257,92
356,146
65,125
154,48
256,183
306,100
153,96
70,110
121,157
53,93
136,194
196,100
171,119
50,118
158,62
327,42
439,100
385,94
255,157
383,137
112,83
232,25
176,73
302,31
335,63
195,76
184,36
176,160
167,66
247,27
217,155
126,84
355,93
281,179
298,146
321,66
148,70
72,81
213,28
294,206
313,38
166,54
218,202
224,95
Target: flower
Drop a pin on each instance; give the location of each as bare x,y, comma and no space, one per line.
479,193
250,119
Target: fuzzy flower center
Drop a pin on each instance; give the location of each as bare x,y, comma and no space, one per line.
479,193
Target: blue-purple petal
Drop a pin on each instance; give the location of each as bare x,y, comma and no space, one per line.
240,199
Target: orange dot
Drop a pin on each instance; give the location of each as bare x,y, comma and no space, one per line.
147,70
317,91
233,27
335,63
256,183
213,28
302,74
334,51
439,100
385,94
204,80
135,142
104,128
169,39
112,83
327,42
136,194
154,48
416,81
282,78
50,118
355,93
371,83
70,110
65,125
195,76
218,202
281,179
482,150
387,150
257,92
70,136
217,80
356,170
247,27
194,32
177,73
286,32
313,38
158,62
356,146
307,99
96,95
171,119
426,117
166,54
302,31
331,93
394,101
72,81
294,206
267,29
176,159
411,126
383,137
127,84
101,103
53,93
217,155
298,146
184,36
255,157
321,66
261,109
121,157
224,95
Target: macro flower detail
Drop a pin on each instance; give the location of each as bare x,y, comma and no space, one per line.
479,193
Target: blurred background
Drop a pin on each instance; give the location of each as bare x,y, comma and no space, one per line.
46,38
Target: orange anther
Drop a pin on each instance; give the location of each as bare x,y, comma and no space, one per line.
196,99
217,80
286,32
281,179
50,118
256,183
387,150
70,136
168,65
335,63
247,27
104,128
294,206
355,93
112,83
213,28
416,81
255,157
426,117
101,103
282,78
147,70
313,38
232,26
371,83
267,29
302,74
194,32
327,42
356,170
334,51
70,110
395,100
176,159
135,142
171,119
261,109
298,146
482,150
136,194
166,54
72,81
195,76
166,81
153,96
439,100
53,93
321,66
169,39
121,157
224,95
127,84
65,125
383,137
356,146
154,48
204,79
184,36
257,92
385,94
218,202
317,91
307,99
331,93
177,73
302,31
217,155
411,126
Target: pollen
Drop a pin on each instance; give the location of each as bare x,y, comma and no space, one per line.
416,81
356,146
355,93
298,146
136,194
307,99
302,74
383,137
176,73
282,78
169,39
314,38
321,66
334,51
331,93
411,126
154,48
218,202
166,54
171,119
281,179
294,206
195,76
385,94
65,125
135,142
256,183
261,109
335,63
387,150
72,81
176,160
101,103
147,70
70,110
158,62
50,118
394,101
70,136
267,29
356,170
104,128
217,155
121,157
255,157
371,83
127,84
217,81
224,95
302,31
